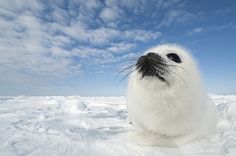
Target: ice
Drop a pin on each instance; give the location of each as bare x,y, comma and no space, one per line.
91,126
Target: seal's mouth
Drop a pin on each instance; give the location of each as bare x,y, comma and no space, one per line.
152,65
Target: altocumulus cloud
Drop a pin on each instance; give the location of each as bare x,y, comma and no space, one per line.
55,38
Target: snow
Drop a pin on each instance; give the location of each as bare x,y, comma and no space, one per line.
90,126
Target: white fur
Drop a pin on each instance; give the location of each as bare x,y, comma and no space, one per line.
170,115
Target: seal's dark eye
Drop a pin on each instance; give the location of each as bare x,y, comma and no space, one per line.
174,57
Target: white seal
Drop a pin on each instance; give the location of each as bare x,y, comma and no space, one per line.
166,101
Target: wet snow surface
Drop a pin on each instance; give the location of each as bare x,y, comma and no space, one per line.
95,126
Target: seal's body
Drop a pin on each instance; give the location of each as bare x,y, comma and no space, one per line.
166,101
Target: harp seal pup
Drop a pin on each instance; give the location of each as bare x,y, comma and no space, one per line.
166,101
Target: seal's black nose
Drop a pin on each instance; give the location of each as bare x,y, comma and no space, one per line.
145,63
151,54
151,64
148,58
154,56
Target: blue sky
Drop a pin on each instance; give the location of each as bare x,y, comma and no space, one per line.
77,47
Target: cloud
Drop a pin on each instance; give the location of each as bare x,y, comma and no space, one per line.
196,30
223,11
58,38
177,16
222,27
121,47
109,14
212,28
142,35
27,45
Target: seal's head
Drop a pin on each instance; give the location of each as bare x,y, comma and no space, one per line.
166,66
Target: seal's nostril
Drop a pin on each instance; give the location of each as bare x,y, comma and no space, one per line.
141,59
151,54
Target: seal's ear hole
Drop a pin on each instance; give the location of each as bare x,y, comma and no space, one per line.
174,57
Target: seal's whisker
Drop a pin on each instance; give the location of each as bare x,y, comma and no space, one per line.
171,71
163,63
126,68
179,68
169,63
131,66
127,74
129,70
173,81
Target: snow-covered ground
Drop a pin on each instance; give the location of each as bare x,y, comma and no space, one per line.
82,126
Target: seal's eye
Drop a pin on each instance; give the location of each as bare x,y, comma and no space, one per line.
174,57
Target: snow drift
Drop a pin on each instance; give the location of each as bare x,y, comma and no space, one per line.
92,126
